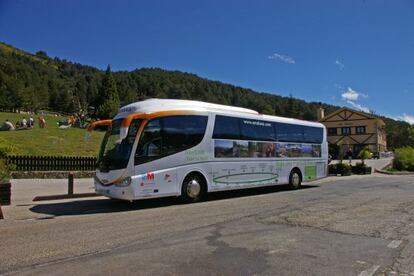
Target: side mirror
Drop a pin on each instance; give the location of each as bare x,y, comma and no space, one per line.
94,125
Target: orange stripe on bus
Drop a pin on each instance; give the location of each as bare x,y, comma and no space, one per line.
127,121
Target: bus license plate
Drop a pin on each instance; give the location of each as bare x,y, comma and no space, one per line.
104,191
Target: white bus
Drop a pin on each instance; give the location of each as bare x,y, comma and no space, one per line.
161,147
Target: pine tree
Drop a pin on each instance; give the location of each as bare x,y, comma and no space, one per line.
292,108
268,110
108,102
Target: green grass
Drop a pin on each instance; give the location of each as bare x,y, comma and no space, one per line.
50,140
391,170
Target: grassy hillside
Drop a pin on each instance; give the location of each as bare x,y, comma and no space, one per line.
11,50
50,140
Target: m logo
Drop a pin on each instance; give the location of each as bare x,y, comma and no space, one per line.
150,176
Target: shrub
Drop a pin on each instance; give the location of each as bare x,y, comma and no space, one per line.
404,159
332,169
361,168
339,168
5,149
365,153
343,169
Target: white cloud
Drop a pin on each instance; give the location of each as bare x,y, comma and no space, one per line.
283,58
352,95
407,118
359,107
340,65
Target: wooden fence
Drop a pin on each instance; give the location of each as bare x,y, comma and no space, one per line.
51,163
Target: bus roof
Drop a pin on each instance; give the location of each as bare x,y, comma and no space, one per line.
158,105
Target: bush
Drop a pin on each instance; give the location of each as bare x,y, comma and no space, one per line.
343,169
339,168
404,159
332,169
364,154
5,149
361,168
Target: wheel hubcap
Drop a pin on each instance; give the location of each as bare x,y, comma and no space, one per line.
193,188
295,179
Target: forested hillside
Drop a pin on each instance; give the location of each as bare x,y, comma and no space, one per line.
38,82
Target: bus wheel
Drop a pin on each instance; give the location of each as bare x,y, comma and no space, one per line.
193,188
295,179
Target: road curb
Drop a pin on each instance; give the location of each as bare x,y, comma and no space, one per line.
64,196
393,173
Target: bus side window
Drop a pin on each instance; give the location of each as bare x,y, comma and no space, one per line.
168,135
182,132
313,135
226,128
257,130
289,132
150,143
133,130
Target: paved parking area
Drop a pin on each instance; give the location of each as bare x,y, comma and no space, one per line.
358,225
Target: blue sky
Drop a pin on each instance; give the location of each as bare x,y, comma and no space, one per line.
357,53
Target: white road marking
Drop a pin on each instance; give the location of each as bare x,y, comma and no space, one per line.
370,271
361,262
394,244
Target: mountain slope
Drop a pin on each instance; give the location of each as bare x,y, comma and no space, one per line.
36,81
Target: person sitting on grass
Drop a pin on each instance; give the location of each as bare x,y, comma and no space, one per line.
24,122
31,121
7,126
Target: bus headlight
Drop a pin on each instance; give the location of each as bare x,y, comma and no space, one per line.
123,182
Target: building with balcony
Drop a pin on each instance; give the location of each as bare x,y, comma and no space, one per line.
353,130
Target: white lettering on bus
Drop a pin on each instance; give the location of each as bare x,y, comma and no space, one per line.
257,123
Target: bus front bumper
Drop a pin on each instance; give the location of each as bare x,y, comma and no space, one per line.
113,191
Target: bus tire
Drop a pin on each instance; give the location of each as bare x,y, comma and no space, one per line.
295,179
194,188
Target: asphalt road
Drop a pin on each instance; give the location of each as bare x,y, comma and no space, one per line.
358,225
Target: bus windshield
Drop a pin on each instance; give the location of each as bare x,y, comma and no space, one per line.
115,152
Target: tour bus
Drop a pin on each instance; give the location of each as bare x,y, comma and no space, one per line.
164,147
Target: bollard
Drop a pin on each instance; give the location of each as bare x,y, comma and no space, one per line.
70,183
5,196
